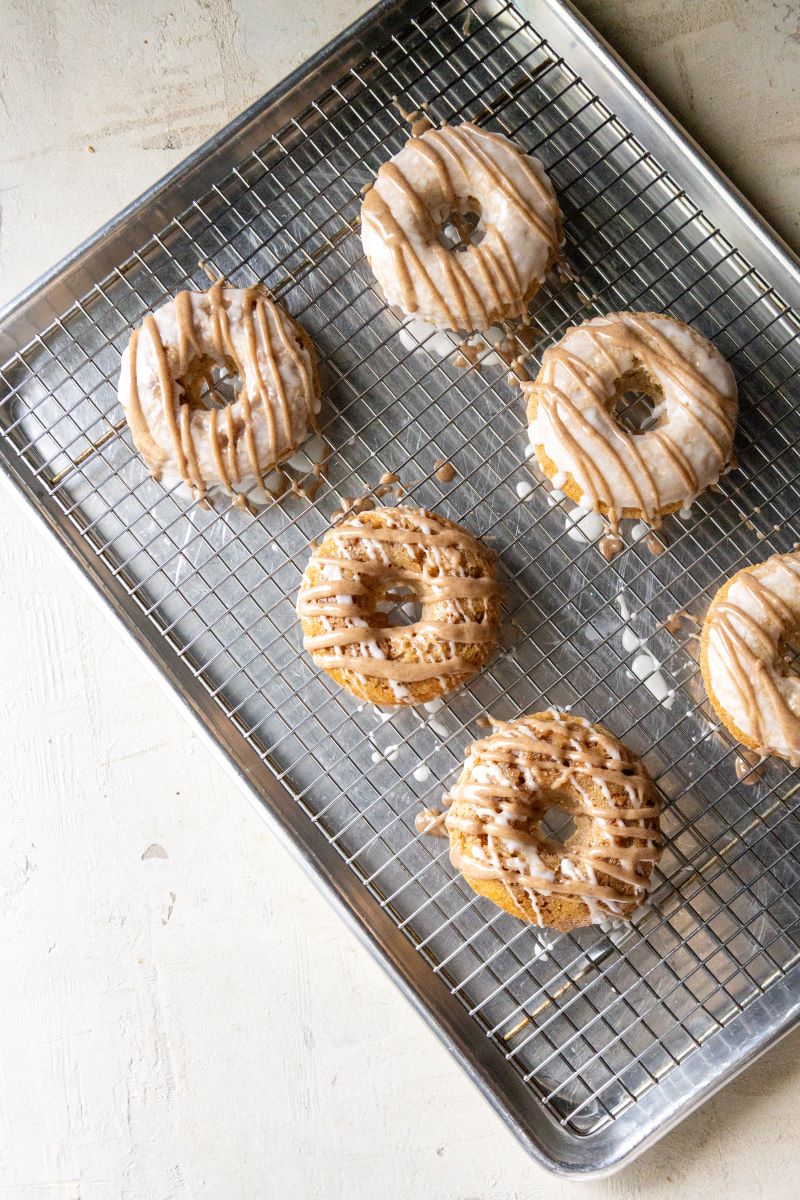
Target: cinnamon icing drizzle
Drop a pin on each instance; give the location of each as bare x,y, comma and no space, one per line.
436,175
572,419
512,777
357,566
743,636
244,330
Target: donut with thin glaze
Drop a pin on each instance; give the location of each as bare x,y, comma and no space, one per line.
437,179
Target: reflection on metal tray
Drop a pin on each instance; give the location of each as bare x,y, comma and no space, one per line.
590,1044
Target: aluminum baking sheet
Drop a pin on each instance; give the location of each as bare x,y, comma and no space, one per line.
592,1044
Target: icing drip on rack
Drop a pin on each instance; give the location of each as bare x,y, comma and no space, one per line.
512,777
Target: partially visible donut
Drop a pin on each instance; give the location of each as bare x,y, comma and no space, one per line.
751,621
436,179
600,464
170,358
357,572
509,782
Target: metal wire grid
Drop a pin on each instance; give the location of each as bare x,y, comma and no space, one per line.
593,1020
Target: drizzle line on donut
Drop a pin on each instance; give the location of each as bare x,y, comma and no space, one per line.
573,755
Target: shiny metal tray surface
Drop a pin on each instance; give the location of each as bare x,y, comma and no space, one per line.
590,1045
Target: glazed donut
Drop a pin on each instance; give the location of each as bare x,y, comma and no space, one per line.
436,179
750,621
509,781
172,354
359,568
580,443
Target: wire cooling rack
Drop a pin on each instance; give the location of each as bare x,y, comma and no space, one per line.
586,1042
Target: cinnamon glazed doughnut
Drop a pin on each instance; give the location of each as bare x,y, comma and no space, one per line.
392,555
595,460
435,180
509,782
171,356
751,621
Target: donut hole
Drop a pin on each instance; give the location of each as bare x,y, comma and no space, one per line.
462,228
399,605
557,825
637,404
208,383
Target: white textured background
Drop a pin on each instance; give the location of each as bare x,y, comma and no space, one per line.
181,1015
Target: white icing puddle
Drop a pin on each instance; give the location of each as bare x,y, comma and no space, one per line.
647,668
644,665
581,522
422,774
583,525
432,707
525,489
311,454
419,335
630,640
390,753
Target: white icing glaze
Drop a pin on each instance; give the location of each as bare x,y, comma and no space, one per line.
232,448
419,335
439,173
583,525
572,422
646,667
743,635
630,640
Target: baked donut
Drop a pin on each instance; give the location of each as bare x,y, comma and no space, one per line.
749,624
509,782
572,414
171,356
437,179
369,561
